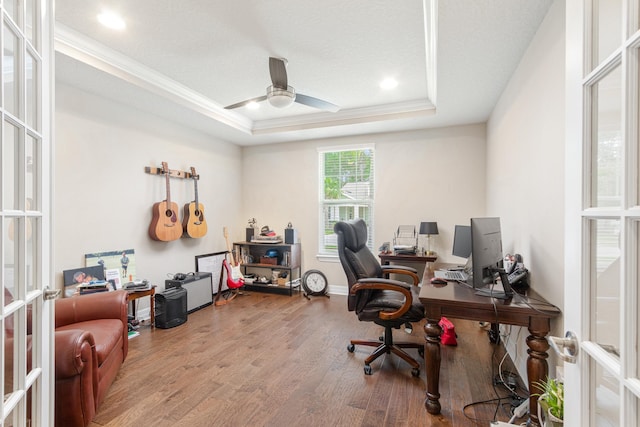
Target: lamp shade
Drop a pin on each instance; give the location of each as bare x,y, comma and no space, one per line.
428,228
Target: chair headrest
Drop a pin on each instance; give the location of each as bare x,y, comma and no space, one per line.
354,233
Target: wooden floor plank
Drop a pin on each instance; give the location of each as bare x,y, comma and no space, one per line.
275,360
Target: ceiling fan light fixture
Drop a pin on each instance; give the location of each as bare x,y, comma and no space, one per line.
281,98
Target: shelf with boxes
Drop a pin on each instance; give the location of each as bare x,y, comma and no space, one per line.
270,267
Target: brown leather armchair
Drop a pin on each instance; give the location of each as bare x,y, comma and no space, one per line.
376,298
91,343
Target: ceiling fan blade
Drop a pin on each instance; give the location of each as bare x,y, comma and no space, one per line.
316,103
278,72
243,103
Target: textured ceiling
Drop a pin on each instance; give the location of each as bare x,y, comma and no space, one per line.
186,60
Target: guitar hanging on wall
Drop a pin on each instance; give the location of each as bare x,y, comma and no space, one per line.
193,220
164,223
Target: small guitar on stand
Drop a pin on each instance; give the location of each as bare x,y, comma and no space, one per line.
235,279
193,220
164,223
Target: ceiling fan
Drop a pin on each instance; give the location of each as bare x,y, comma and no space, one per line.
281,95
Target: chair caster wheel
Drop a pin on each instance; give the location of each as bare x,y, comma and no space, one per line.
351,348
415,372
368,370
381,338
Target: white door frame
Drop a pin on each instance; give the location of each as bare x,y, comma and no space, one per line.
583,72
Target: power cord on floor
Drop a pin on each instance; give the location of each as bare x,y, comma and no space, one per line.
516,404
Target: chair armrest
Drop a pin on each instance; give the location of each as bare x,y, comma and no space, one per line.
101,305
400,269
388,285
75,352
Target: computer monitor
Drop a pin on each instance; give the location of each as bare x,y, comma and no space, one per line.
462,241
486,250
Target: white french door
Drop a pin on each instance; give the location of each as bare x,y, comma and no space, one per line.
26,317
603,211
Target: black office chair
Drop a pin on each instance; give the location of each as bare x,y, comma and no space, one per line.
376,298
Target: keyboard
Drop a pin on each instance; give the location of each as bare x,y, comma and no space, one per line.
457,275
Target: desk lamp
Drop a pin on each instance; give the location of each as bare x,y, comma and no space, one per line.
429,229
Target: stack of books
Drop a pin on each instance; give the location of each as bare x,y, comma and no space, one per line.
138,285
266,239
93,287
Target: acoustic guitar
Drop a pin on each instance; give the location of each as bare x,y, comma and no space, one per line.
193,221
164,223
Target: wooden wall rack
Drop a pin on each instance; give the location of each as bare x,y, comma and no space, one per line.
172,172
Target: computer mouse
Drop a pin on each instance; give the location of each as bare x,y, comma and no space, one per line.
438,281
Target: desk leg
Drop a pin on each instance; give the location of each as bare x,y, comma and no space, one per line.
537,366
432,362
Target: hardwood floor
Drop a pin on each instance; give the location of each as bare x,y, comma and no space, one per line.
274,360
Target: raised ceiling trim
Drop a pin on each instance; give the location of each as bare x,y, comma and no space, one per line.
85,50
89,52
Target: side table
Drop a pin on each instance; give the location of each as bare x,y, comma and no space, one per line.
132,296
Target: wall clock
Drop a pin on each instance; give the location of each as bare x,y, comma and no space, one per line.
314,283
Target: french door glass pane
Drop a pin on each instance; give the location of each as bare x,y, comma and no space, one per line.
32,153
12,9
10,170
31,260
605,279
10,355
606,162
10,71
608,14
607,403
31,71
30,23
636,265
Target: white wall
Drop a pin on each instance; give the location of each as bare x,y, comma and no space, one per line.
525,173
103,197
429,175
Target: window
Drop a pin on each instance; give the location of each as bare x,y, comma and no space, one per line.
346,191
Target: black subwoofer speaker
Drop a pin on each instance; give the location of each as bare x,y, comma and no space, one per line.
171,308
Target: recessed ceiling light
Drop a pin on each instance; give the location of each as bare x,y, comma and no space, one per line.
111,20
253,105
389,83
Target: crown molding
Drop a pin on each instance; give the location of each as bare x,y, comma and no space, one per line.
85,50
88,51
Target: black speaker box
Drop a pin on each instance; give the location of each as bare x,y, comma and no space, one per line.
250,231
171,308
290,236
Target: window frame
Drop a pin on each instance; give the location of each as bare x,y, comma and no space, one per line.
368,203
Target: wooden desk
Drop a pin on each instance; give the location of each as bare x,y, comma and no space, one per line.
386,259
458,301
132,296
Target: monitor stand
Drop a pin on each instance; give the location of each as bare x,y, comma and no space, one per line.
493,293
505,293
